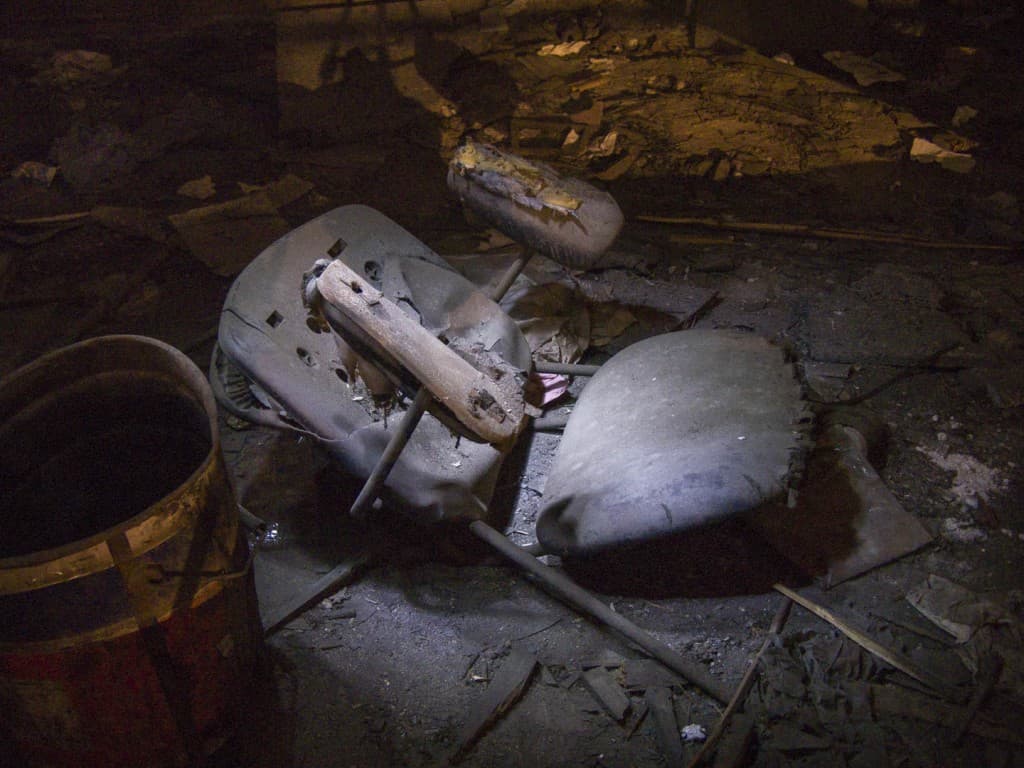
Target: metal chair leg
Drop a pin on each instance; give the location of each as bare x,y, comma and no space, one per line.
411,418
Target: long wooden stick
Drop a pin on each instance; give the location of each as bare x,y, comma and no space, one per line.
825,233
504,690
778,622
42,221
897,660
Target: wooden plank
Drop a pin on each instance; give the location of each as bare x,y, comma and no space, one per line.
492,410
659,702
609,694
642,674
504,690
342,574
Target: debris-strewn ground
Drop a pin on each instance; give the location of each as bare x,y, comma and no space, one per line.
867,145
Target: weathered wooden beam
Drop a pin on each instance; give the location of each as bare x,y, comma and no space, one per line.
609,694
491,409
342,574
659,702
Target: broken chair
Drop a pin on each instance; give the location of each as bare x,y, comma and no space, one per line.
672,433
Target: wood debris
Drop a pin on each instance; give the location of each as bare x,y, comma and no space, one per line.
609,694
502,692
659,704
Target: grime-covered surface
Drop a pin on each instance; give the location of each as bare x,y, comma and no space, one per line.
752,123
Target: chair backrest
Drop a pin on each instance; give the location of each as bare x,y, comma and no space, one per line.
267,334
563,218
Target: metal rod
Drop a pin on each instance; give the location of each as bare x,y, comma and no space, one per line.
565,369
399,439
573,594
553,423
499,290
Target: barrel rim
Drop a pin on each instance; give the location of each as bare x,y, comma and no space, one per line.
144,530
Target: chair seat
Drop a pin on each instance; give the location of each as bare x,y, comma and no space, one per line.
674,432
293,361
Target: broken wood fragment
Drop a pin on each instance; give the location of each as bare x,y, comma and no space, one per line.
735,743
889,656
226,236
547,677
490,409
989,672
607,658
778,622
825,233
608,692
935,635
503,691
639,715
43,221
642,674
659,702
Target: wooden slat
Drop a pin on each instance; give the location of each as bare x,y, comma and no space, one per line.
502,692
609,694
659,701
493,411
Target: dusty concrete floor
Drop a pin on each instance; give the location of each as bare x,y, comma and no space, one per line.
386,671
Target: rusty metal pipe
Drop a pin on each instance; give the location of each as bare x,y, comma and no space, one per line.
566,369
569,592
553,423
510,275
